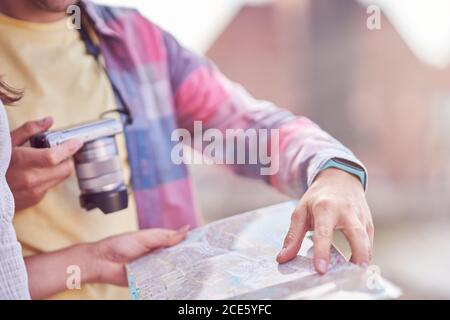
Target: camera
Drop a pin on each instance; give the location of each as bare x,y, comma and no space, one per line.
97,163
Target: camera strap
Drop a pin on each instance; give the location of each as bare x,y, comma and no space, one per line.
94,50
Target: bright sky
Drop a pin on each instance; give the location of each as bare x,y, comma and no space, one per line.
424,24
196,23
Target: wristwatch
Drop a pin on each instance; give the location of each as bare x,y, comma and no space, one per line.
346,166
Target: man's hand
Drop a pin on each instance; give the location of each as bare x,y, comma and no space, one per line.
335,200
32,172
111,254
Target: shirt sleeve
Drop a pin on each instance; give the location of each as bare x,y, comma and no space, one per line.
13,275
203,93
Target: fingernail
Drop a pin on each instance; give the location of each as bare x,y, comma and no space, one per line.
322,266
282,252
184,229
44,121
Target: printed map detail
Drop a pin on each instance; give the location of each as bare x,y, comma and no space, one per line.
234,258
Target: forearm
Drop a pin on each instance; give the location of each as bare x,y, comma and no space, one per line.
47,272
298,147
304,149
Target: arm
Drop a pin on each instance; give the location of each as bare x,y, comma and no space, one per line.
13,276
47,271
332,199
203,93
98,262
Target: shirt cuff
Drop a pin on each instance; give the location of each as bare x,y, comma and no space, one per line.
346,162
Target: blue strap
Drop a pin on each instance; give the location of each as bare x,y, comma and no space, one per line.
358,172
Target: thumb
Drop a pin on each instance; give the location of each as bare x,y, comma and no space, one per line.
23,133
157,238
130,246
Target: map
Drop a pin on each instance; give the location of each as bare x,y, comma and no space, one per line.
234,258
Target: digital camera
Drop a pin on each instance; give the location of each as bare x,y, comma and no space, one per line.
97,163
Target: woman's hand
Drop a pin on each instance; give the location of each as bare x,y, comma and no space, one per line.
111,254
99,262
335,200
32,172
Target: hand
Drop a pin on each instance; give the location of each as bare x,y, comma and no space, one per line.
32,172
99,262
111,254
335,200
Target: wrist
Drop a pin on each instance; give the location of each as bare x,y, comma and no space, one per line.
349,167
89,265
335,175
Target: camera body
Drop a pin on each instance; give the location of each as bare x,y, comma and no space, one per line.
97,163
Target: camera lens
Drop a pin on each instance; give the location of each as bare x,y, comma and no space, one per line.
100,176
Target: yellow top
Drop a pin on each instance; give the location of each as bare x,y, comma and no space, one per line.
60,79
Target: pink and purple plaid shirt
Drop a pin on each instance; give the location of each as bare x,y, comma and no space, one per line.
167,87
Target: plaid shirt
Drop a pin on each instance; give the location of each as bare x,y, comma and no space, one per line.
167,87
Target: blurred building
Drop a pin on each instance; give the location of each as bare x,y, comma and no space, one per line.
318,58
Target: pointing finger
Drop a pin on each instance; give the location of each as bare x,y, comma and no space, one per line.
294,238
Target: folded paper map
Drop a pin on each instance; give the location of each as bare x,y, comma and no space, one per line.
234,258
